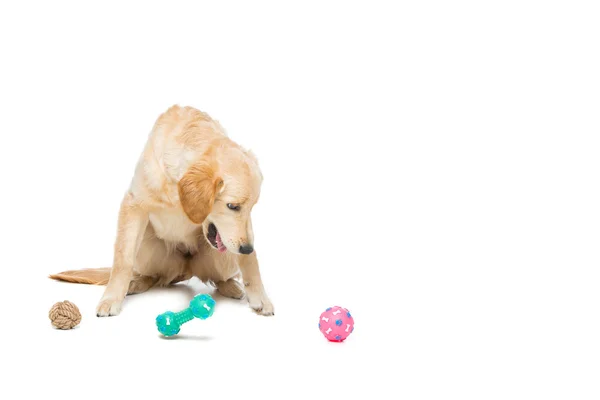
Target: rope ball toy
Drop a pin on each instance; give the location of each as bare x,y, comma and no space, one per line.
64,315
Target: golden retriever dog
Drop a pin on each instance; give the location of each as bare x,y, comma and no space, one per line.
186,213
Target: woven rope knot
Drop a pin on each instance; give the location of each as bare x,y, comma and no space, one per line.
64,315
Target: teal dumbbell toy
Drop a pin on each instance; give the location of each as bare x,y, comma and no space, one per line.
202,306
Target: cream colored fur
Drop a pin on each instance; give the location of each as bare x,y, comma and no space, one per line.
187,174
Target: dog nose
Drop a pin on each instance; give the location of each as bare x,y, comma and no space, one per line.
246,249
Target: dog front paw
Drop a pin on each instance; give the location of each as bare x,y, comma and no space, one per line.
262,306
108,308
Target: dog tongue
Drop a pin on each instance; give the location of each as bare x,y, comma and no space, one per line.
220,245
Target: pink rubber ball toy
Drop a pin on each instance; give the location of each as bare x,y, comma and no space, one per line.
336,324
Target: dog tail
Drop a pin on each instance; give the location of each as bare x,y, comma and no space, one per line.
90,276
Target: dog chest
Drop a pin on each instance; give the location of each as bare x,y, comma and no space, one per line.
174,227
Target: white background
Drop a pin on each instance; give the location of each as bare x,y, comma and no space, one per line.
432,166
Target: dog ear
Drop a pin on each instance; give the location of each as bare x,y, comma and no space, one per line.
197,191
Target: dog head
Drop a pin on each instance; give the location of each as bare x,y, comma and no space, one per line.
219,193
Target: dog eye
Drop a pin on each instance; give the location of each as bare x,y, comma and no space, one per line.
233,207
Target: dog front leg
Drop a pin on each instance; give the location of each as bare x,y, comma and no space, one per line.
255,291
131,226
